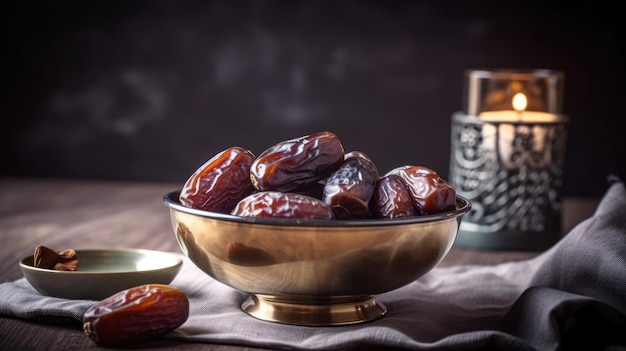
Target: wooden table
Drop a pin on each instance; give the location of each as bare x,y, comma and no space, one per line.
64,214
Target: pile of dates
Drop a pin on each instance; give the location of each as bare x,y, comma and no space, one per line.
313,177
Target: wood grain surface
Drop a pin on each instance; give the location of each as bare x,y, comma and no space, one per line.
78,214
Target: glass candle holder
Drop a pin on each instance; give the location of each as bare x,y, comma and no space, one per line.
507,155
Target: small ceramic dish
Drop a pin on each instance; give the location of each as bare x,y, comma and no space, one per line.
102,273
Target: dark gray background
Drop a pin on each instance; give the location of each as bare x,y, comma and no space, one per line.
149,90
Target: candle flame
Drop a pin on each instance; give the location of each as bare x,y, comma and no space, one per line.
519,102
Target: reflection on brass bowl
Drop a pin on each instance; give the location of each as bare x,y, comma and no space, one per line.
314,272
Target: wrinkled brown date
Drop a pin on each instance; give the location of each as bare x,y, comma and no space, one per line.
221,182
392,198
283,205
66,260
348,190
135,315
431,193
297,163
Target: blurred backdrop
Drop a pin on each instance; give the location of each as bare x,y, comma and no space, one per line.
149,90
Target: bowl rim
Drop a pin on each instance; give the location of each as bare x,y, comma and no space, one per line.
26,263
463,205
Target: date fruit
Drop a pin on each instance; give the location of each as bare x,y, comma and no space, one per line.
392,199
283,205
220,182
348,190
45,257
431,193
297,163
135,315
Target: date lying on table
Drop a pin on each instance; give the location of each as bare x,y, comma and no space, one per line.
136,314
312,177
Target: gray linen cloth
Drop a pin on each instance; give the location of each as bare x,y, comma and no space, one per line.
572,296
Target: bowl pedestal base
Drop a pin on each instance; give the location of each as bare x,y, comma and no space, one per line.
308,311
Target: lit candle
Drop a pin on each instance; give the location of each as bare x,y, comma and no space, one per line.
507,128
518,113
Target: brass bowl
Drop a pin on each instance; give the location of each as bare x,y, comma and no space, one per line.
313,272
